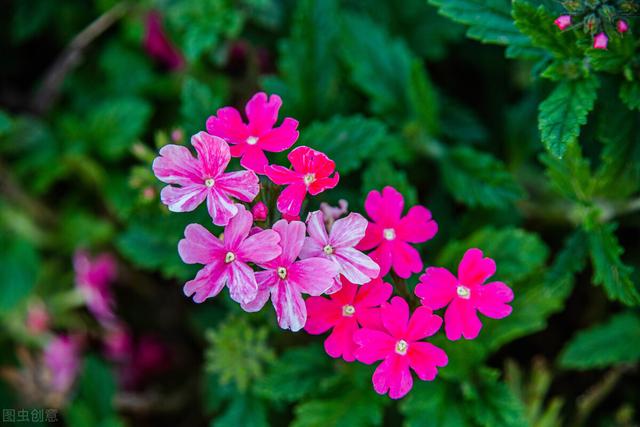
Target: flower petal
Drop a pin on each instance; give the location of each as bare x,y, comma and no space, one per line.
243,185
461,319
492,298
280,138
382,256
176,165
395,317
312,275
348,231
373,294
355,266
393,375
346,294
183,199
238,229
437,287
321,184
213,153
312,248
261,247
474,269
265,280
290,309
242,282
291,239
425,358
372,237
316,227
199,246
417,226
322,315
406,259
281,175
228,125
373,345
423,323
220,207
262,112
208,282
385,208
254,159
291,198
340,342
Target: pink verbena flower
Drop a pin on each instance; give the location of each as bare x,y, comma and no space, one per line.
226,260
93,280
465,294
158,45
118,343
563,22
622,26
600,41
398,345
311,173
61,359
250,141
38,318
348,309
390,233
260,211
285,279
203,177
332,213
338,246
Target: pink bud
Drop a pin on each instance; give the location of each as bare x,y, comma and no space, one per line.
563,21
259,211
622,26
177,135
600,41
37,318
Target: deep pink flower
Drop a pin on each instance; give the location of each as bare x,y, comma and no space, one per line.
62,360
226,260
118,343
203,177
38,318
390,233
250,141
338,246
348,309
563,22
622,26
465,294
93,280
398,345
311,173
285,279
259,211
600,41
158,45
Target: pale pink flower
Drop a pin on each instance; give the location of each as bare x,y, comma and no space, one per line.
338,246
285,279
38,318
622,26
158,45
311,173
332,213
348,309
398,344
93,280
250,141
600,41
203,178
390,233
226,260
465,295
260,211
563,22
62,361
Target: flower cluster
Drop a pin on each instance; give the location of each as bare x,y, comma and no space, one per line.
599,18
260,257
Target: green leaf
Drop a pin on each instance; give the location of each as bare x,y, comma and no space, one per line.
564,111
348,141
491,403
630,94
605,345
20,264
351,409
479,179
197,103
570,175
381,173
434,403
243,411
5,123
610,271
423,98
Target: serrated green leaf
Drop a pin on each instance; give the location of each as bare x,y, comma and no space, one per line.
490,403
479,179
570,175
197,103
630,94
381,173
564,111
605,345
243,411
423,98
433,403
351,409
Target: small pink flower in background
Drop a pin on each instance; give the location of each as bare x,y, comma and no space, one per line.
600,41
390,233
250,141
177,135
158,45
203,178
118,343
93,280
311,173
465,294
38,318
622,26
332,213
150,357
563,22
346,310
338,246
285,279
259,211
226,260
398,345
62,360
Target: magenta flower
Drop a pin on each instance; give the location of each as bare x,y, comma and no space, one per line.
600,41
348,309
93,280
311,173
260,211
118,343
226,260
62,361
250,141
390,234
563,22
158,45
338,246
398,345
465,294
622,26
285,279
202,178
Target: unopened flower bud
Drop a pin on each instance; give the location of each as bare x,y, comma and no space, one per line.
600,41
259,211
563,21
590,23
622,26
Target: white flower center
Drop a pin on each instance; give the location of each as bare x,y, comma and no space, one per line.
463,292
348,310
229,257
309,178
389,233
282,272
328,250
252,140
209,182
401,347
